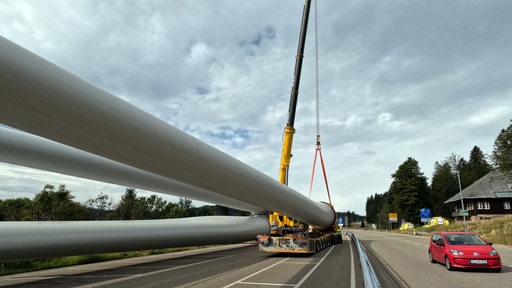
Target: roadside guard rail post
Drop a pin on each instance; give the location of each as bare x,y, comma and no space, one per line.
369,276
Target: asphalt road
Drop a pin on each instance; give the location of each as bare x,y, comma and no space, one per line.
238,266
398,260
404,258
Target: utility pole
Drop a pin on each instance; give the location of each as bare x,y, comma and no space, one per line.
462,211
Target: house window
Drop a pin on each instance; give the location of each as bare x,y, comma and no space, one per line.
483,205
506,205
470,206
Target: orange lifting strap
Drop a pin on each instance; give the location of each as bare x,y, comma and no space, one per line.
319,151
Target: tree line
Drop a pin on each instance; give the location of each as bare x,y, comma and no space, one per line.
410,191
351,217
57,204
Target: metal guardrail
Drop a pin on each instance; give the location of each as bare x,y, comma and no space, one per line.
369,277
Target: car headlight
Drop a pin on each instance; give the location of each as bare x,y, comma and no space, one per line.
493,252
456,252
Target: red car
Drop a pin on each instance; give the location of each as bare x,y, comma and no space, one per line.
463,250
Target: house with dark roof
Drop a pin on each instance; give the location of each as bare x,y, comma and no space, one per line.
487,198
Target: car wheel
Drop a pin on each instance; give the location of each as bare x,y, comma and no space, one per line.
448,264
431,258
497,270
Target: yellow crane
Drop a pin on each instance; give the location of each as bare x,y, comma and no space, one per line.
287,234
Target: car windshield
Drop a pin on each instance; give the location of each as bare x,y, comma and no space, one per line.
464,239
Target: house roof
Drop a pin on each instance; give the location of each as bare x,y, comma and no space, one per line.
493,185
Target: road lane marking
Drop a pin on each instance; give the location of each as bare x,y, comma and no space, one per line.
255,273
266,284
314,268
241,281
117,280
352,268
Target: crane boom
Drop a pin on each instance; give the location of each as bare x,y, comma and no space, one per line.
289,130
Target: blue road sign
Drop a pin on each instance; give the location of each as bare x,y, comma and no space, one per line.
425,214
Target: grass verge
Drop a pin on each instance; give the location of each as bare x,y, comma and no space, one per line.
496,231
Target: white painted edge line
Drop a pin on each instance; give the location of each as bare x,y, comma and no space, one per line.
21,278
266,284
314,268
117,280
352,268
255,273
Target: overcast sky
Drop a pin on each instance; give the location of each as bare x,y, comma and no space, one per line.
397,79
